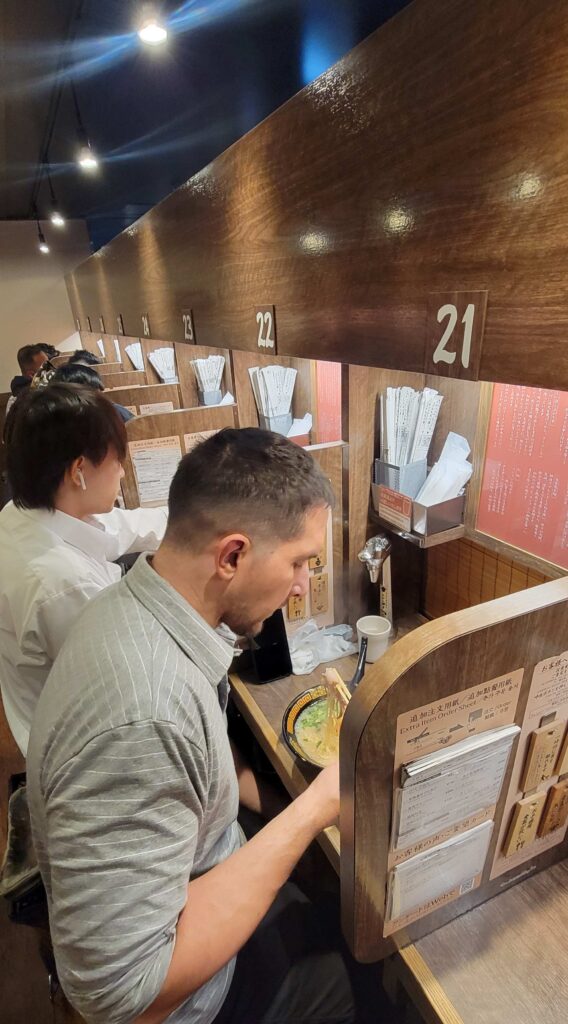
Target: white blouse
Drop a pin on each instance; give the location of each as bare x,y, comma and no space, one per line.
51,564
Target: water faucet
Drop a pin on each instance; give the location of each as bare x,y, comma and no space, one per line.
374,554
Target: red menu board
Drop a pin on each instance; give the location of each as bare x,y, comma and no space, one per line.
524,494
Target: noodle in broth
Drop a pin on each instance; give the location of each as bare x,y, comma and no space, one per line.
311,729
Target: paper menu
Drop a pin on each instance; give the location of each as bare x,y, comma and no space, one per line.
151,407
440,874
443,788
524,492
101,346
155,462
117,351
443,723
190,441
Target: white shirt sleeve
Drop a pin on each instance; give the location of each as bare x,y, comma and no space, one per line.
55,616
131,530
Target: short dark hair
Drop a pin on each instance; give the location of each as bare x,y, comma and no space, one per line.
77,373
249,480
27,354
47,429
80,355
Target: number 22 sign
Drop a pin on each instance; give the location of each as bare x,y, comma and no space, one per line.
454,334
266,329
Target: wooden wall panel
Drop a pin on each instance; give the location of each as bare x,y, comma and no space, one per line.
464,573
405,170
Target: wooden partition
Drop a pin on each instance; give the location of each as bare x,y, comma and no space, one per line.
105,369
138,398
125,379
174,425
500,663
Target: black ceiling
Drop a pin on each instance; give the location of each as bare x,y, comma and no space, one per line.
154,116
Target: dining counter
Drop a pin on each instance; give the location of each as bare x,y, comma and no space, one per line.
503,962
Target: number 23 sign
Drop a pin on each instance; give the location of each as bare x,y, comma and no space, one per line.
454,334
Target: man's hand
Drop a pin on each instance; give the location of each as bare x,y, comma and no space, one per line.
225,905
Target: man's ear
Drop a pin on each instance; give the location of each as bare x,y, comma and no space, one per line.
231,551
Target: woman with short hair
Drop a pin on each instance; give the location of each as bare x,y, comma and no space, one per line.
61,534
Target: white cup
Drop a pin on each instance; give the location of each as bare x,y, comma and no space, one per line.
377,630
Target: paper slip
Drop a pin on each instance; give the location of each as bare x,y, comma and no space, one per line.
156,407
407,420
453,865
191,440
446,786
155,462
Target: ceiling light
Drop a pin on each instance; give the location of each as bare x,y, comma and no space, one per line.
87,159
42,245
153,32
56,217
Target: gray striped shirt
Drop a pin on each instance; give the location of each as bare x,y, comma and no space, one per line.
132,792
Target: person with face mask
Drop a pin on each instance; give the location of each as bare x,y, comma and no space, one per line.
61,534
133,790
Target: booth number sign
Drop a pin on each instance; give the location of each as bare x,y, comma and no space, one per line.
266,329
454,334
188,326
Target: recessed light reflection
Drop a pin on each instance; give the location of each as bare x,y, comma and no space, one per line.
398,220
314,241
527,187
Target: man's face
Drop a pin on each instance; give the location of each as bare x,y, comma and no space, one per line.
36,364
270,574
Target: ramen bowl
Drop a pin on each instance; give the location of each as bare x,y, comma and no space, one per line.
303,727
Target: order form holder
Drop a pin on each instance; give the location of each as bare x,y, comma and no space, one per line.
454,768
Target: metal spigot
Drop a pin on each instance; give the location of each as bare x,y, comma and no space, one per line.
376,551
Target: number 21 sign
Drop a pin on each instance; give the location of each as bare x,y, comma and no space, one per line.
454,334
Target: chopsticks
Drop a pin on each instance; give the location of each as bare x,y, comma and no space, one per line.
336,686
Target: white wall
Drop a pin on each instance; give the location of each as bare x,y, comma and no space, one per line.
33,298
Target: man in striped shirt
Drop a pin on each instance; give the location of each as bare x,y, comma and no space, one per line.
133,790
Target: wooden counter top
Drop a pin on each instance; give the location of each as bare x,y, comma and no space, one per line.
503,962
